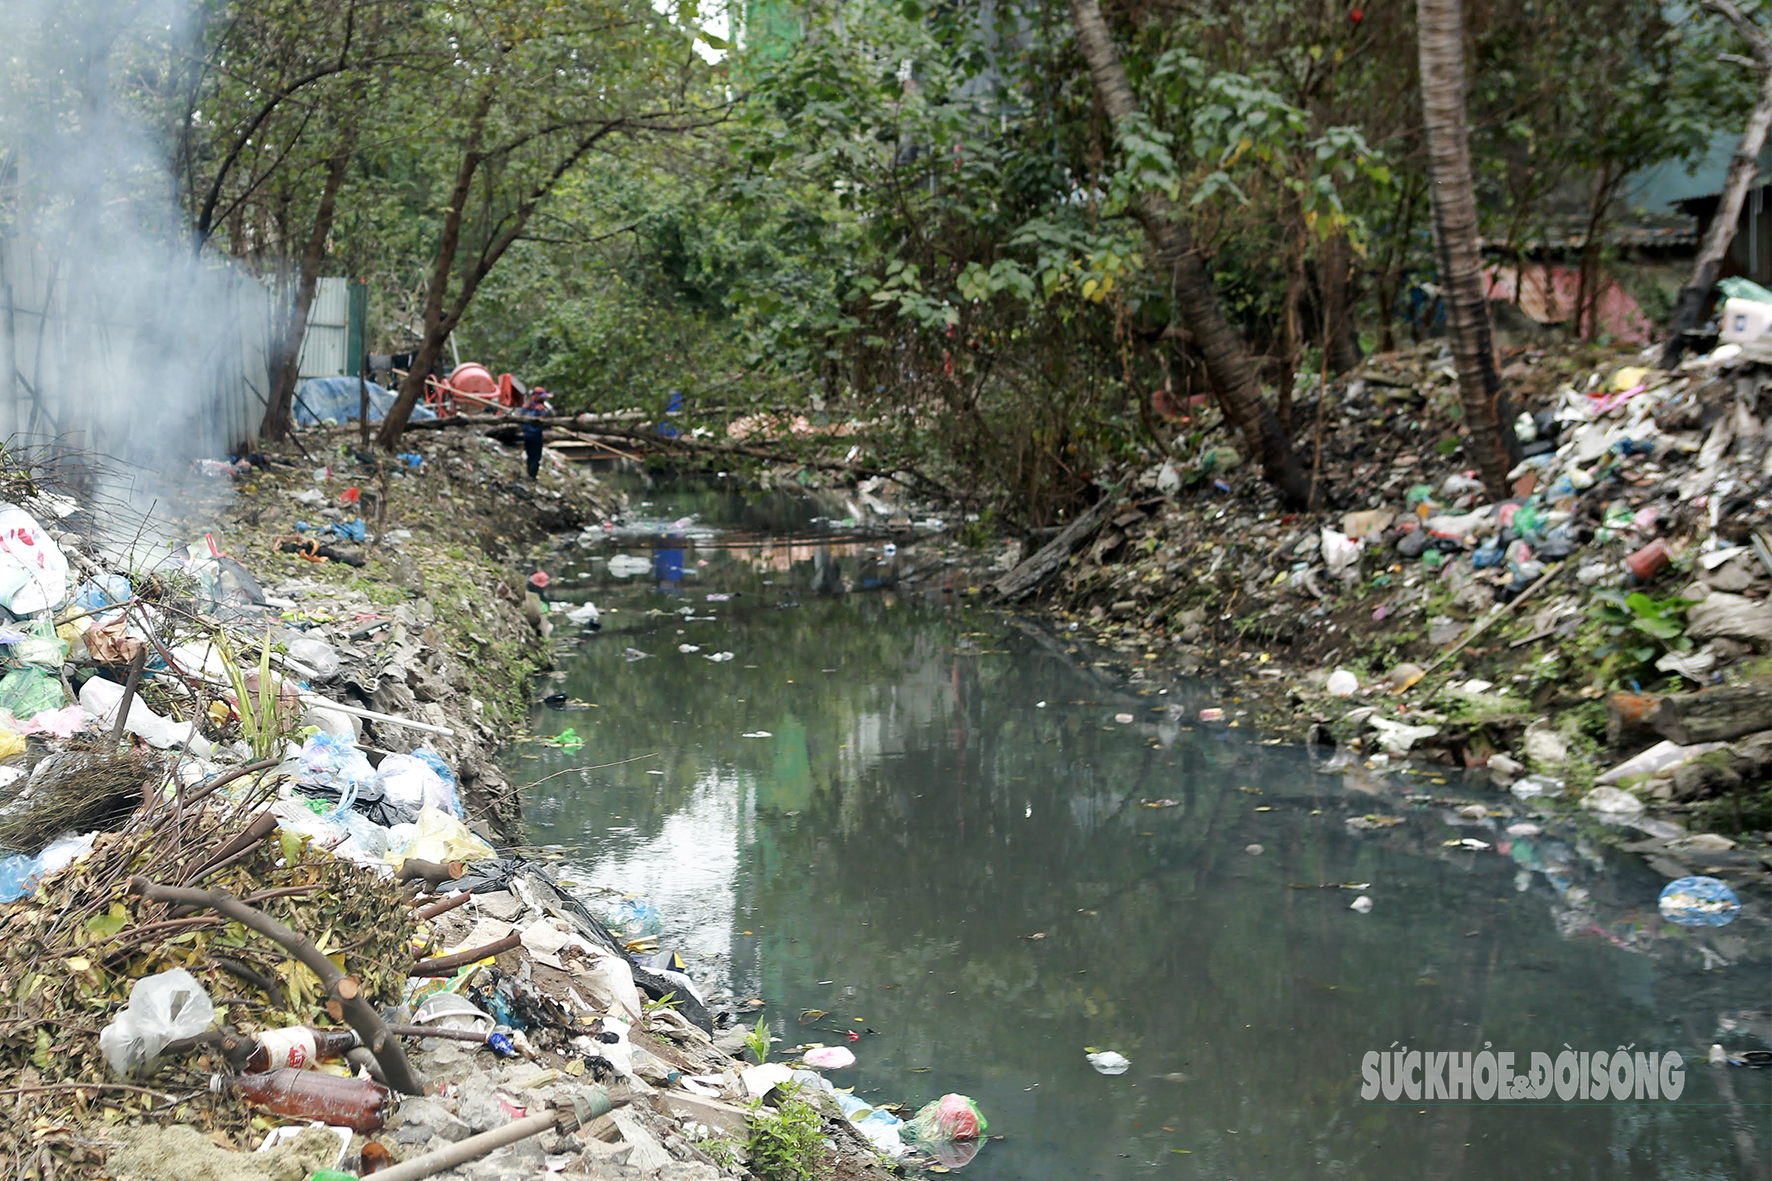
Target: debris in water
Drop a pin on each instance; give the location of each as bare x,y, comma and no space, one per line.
1699,902
1108,1061
567,740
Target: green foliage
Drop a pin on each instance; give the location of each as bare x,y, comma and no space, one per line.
978,533
910,216
669,1000
265,722
787,1144
719,1149
758,1041
1640,627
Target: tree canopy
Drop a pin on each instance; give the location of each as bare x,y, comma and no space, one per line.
923,216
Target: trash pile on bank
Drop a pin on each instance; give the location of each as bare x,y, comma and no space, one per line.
1629,568
251,930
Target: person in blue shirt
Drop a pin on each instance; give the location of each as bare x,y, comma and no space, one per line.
534,407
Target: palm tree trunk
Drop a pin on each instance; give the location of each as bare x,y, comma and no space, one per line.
1227,361
1743,168
1487,412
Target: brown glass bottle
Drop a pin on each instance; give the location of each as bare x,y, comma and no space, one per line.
296,1046
304,1094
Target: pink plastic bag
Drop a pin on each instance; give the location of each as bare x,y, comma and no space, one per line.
952,1117
65,722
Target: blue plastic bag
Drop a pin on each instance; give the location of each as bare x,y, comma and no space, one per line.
330,763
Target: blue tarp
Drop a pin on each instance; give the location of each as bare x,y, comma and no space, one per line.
339,399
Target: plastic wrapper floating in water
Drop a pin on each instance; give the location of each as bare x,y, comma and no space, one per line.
1699,902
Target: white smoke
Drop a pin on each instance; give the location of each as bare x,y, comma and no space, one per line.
115,338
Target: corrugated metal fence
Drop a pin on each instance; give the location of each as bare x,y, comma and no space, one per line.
155,371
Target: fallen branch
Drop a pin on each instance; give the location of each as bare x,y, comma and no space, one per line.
444,964
342,989
1027,577
454,1035
596,430
1495,617
262,826
697,446
128,699
428,872
253,977
594,1118
431,910
204,790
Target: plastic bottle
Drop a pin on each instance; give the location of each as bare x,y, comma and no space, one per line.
354,1103
297,1047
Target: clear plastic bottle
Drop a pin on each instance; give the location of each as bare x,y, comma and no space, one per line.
303,1094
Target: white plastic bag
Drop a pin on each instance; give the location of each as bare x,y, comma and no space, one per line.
1340,552
102,698
33,570
414,783
315,655
162,1008
368,843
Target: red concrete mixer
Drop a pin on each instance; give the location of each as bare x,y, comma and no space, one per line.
470,386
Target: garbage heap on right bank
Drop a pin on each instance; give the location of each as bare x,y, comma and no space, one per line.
1606,625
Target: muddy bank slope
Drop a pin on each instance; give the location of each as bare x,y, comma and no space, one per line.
406,570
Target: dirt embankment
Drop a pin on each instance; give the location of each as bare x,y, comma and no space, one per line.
425,611
1558,632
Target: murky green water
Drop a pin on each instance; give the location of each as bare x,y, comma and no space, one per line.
927,822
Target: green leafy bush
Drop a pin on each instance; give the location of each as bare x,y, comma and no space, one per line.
787,1144
1641,627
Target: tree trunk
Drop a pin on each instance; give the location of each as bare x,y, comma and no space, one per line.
436,329
1715,715
1743,168
1227,362
1487,412
286,358
1590,285
1341,348
439,323
1291,338
1396,264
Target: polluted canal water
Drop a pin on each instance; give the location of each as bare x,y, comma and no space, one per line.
944,839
